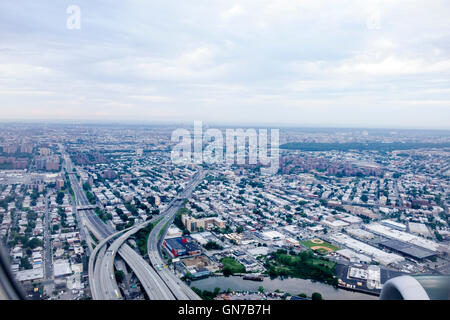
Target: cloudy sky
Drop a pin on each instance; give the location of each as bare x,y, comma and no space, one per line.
325,63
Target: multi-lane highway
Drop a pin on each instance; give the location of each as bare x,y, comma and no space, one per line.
180,290
151,283
157,285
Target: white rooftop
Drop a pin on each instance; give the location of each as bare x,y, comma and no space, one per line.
29,275
61,268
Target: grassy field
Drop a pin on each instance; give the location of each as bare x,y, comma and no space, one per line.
232,265
320,245
329,264
302,265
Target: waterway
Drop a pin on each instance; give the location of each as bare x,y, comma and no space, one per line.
294,286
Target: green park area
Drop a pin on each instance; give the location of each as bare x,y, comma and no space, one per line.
302,265
231,266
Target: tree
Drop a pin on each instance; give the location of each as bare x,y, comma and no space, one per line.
227,272
60,197
25,263
34,243
316,296
212,245
86,186
364,198
119,275
261,289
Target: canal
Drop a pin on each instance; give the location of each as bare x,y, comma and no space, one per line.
294,286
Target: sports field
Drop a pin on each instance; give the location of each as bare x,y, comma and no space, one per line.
320,245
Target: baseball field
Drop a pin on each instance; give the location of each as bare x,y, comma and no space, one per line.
320,245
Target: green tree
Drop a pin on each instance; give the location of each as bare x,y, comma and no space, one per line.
316,296
60,197
25,263
34,243
119,275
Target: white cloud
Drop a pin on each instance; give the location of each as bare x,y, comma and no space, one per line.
22,70
392,66
235,11
150,98
257,60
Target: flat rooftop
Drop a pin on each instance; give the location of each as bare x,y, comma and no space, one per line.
31,274
407,249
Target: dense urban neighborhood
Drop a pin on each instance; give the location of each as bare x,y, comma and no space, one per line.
347,210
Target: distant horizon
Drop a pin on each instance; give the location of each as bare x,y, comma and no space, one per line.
364,64
213,123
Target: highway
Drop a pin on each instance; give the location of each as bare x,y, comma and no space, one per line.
101,288
94,273
48,261
158,284
180,290
95,225
152,284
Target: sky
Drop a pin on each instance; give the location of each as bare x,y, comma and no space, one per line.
313,63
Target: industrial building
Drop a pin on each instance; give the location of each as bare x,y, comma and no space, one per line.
379,255
181,246
353,256
394,225
419,228
404,237
407,249
360,234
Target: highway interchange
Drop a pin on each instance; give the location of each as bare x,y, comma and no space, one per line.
158,283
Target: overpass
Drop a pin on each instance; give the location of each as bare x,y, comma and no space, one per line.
143,271
158,284
90,207
179,288
101,262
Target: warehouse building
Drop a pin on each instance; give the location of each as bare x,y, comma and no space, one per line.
394,225
418,228
376,254
175,246
407,249
181,246
30,275
360,234
353,256
404,237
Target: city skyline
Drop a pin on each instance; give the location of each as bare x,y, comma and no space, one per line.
133,212
366,65
235,124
